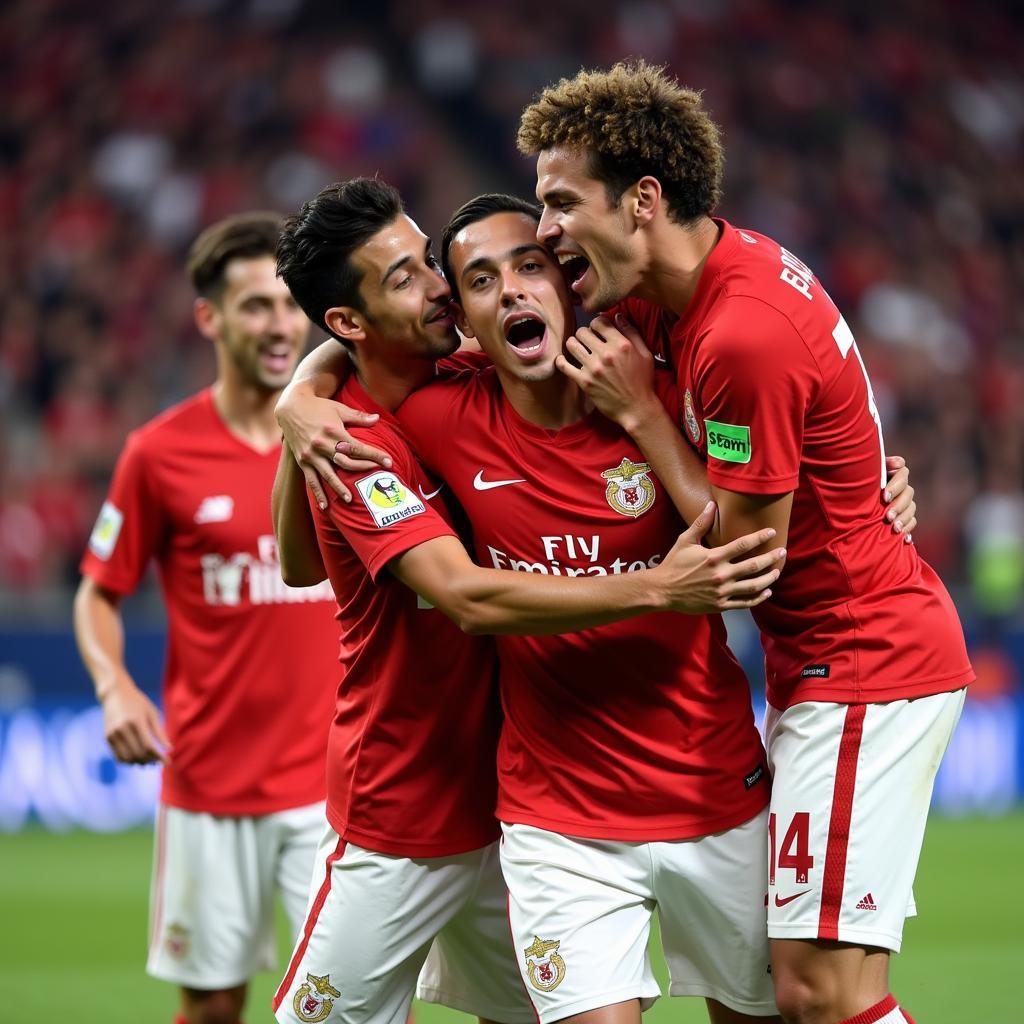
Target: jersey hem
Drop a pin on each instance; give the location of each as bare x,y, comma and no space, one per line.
639,833
236,809
413,849
400,545
863,695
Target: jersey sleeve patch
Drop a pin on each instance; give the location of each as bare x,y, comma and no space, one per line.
106,531
728,441
388,500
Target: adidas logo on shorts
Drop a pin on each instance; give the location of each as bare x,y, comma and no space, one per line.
868,903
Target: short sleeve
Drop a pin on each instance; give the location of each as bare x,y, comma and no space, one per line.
754,380
391,511
131,525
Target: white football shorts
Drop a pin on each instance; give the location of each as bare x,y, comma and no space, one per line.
211,910
851,785
581,911
371,922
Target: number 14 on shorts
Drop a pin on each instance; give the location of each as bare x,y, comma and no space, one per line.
795,849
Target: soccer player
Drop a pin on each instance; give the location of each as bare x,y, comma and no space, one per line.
410,856
866,663
251,664
625,494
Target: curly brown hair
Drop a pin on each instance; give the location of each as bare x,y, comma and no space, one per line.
633,120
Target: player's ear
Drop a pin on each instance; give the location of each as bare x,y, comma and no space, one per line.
644,198
347,323
207,316
459,316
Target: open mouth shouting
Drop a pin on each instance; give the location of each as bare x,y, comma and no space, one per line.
526,334
575,266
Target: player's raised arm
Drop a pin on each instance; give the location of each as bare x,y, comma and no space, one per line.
616,372
690,579
302,564
131,722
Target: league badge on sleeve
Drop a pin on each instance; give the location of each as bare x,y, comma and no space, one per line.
630,490
389,501
692,423
106,531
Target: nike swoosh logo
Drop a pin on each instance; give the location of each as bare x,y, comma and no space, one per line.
432,494
660,359
485,485
789,899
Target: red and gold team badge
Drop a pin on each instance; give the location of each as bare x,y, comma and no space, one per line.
630,490
315,998
544,967
692,423
177,939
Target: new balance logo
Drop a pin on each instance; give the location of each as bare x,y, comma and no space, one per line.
218,508
868,903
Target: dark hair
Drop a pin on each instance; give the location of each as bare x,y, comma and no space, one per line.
479,209
313,254
244,236
633,120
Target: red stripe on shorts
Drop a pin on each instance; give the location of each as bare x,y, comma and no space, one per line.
307,931
515,951
839,824
158,877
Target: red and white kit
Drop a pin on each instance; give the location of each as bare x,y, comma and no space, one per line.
248,688
630,733
409,854
777,399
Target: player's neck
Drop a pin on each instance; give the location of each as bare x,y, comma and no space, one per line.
390,383
248,412
678,256
552,404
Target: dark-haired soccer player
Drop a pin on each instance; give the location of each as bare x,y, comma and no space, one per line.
241,805
410,855
866,661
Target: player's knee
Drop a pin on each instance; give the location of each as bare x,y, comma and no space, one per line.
223,1007
799,1001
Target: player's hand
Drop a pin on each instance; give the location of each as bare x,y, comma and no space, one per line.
132,725
704,580
616,369
315,431
900,509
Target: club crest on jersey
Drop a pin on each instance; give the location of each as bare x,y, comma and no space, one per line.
177,940
692,423
388,500
314,999
544,967
630,490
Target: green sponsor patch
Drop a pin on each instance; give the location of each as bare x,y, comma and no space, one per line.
728,442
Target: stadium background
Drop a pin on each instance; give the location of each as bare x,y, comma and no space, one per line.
881,143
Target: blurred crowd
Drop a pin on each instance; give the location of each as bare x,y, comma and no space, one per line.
882,144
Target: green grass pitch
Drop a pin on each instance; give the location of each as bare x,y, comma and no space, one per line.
73,913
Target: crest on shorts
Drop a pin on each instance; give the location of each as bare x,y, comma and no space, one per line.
315,998
692,423
177,939
630,490
544,967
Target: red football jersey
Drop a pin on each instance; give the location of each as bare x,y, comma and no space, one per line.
251,667
777,399
638,730
412,750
